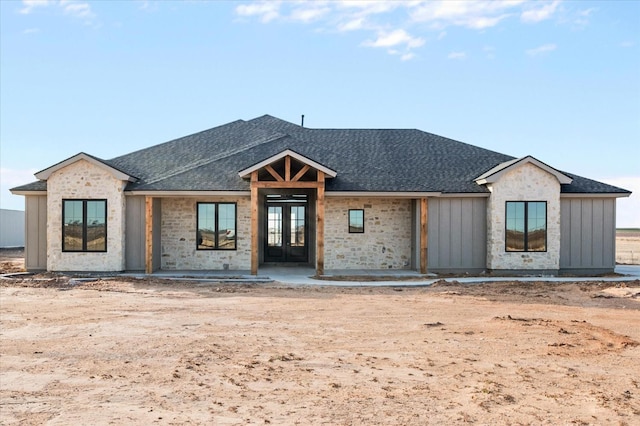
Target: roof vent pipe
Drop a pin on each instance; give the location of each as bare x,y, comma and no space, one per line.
302,124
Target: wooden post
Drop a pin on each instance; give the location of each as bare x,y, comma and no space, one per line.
287,168
320,225
254,223
424,234
148,235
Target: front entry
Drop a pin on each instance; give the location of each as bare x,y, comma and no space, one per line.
286,229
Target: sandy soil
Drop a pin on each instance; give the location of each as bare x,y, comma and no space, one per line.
164,352
11,260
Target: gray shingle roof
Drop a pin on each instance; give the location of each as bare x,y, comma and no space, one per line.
380,160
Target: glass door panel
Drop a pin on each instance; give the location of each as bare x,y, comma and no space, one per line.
274,226
297,231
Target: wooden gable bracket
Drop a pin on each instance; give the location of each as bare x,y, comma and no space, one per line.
301,173
273,173
286,155
287,172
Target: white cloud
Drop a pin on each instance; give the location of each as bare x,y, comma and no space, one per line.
541,13
587,12
352,25
627,43
481,23
627,209
144,5
311,14
397,42
30,5
31,31
266,10
475,14
583,17
545,48
407,56
457,55
76,9
394,38
371,7
389,23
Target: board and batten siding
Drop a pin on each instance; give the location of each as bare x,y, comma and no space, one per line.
135,243
35,247
457,235
588,235
156,228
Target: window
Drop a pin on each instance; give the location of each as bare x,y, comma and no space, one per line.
356,221
526,226
216,226
84,225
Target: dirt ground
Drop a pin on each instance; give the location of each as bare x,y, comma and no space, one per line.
145,351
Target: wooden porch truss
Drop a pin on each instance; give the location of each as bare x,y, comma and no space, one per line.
288,178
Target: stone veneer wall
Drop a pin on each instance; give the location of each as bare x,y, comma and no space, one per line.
385,243
178,239
83,180
525,183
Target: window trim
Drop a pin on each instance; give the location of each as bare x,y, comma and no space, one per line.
350,226
216,246
526,229
84,225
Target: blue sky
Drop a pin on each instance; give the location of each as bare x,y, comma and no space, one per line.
559,80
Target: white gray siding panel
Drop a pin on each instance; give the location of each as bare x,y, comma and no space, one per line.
135,233
587,234
156,231
457,234
35,250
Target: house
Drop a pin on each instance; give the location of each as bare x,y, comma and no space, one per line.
11,228
266,191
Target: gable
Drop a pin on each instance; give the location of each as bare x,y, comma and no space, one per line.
118,174
306,163
494,174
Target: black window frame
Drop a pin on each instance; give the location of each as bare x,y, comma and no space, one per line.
216,246
84,202
354,229
526,232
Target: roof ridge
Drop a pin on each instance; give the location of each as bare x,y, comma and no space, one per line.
128,154
220,156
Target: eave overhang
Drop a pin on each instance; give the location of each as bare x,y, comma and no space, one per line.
166,194
382,194
595,195
28,192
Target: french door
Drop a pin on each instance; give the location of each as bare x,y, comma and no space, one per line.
286,232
